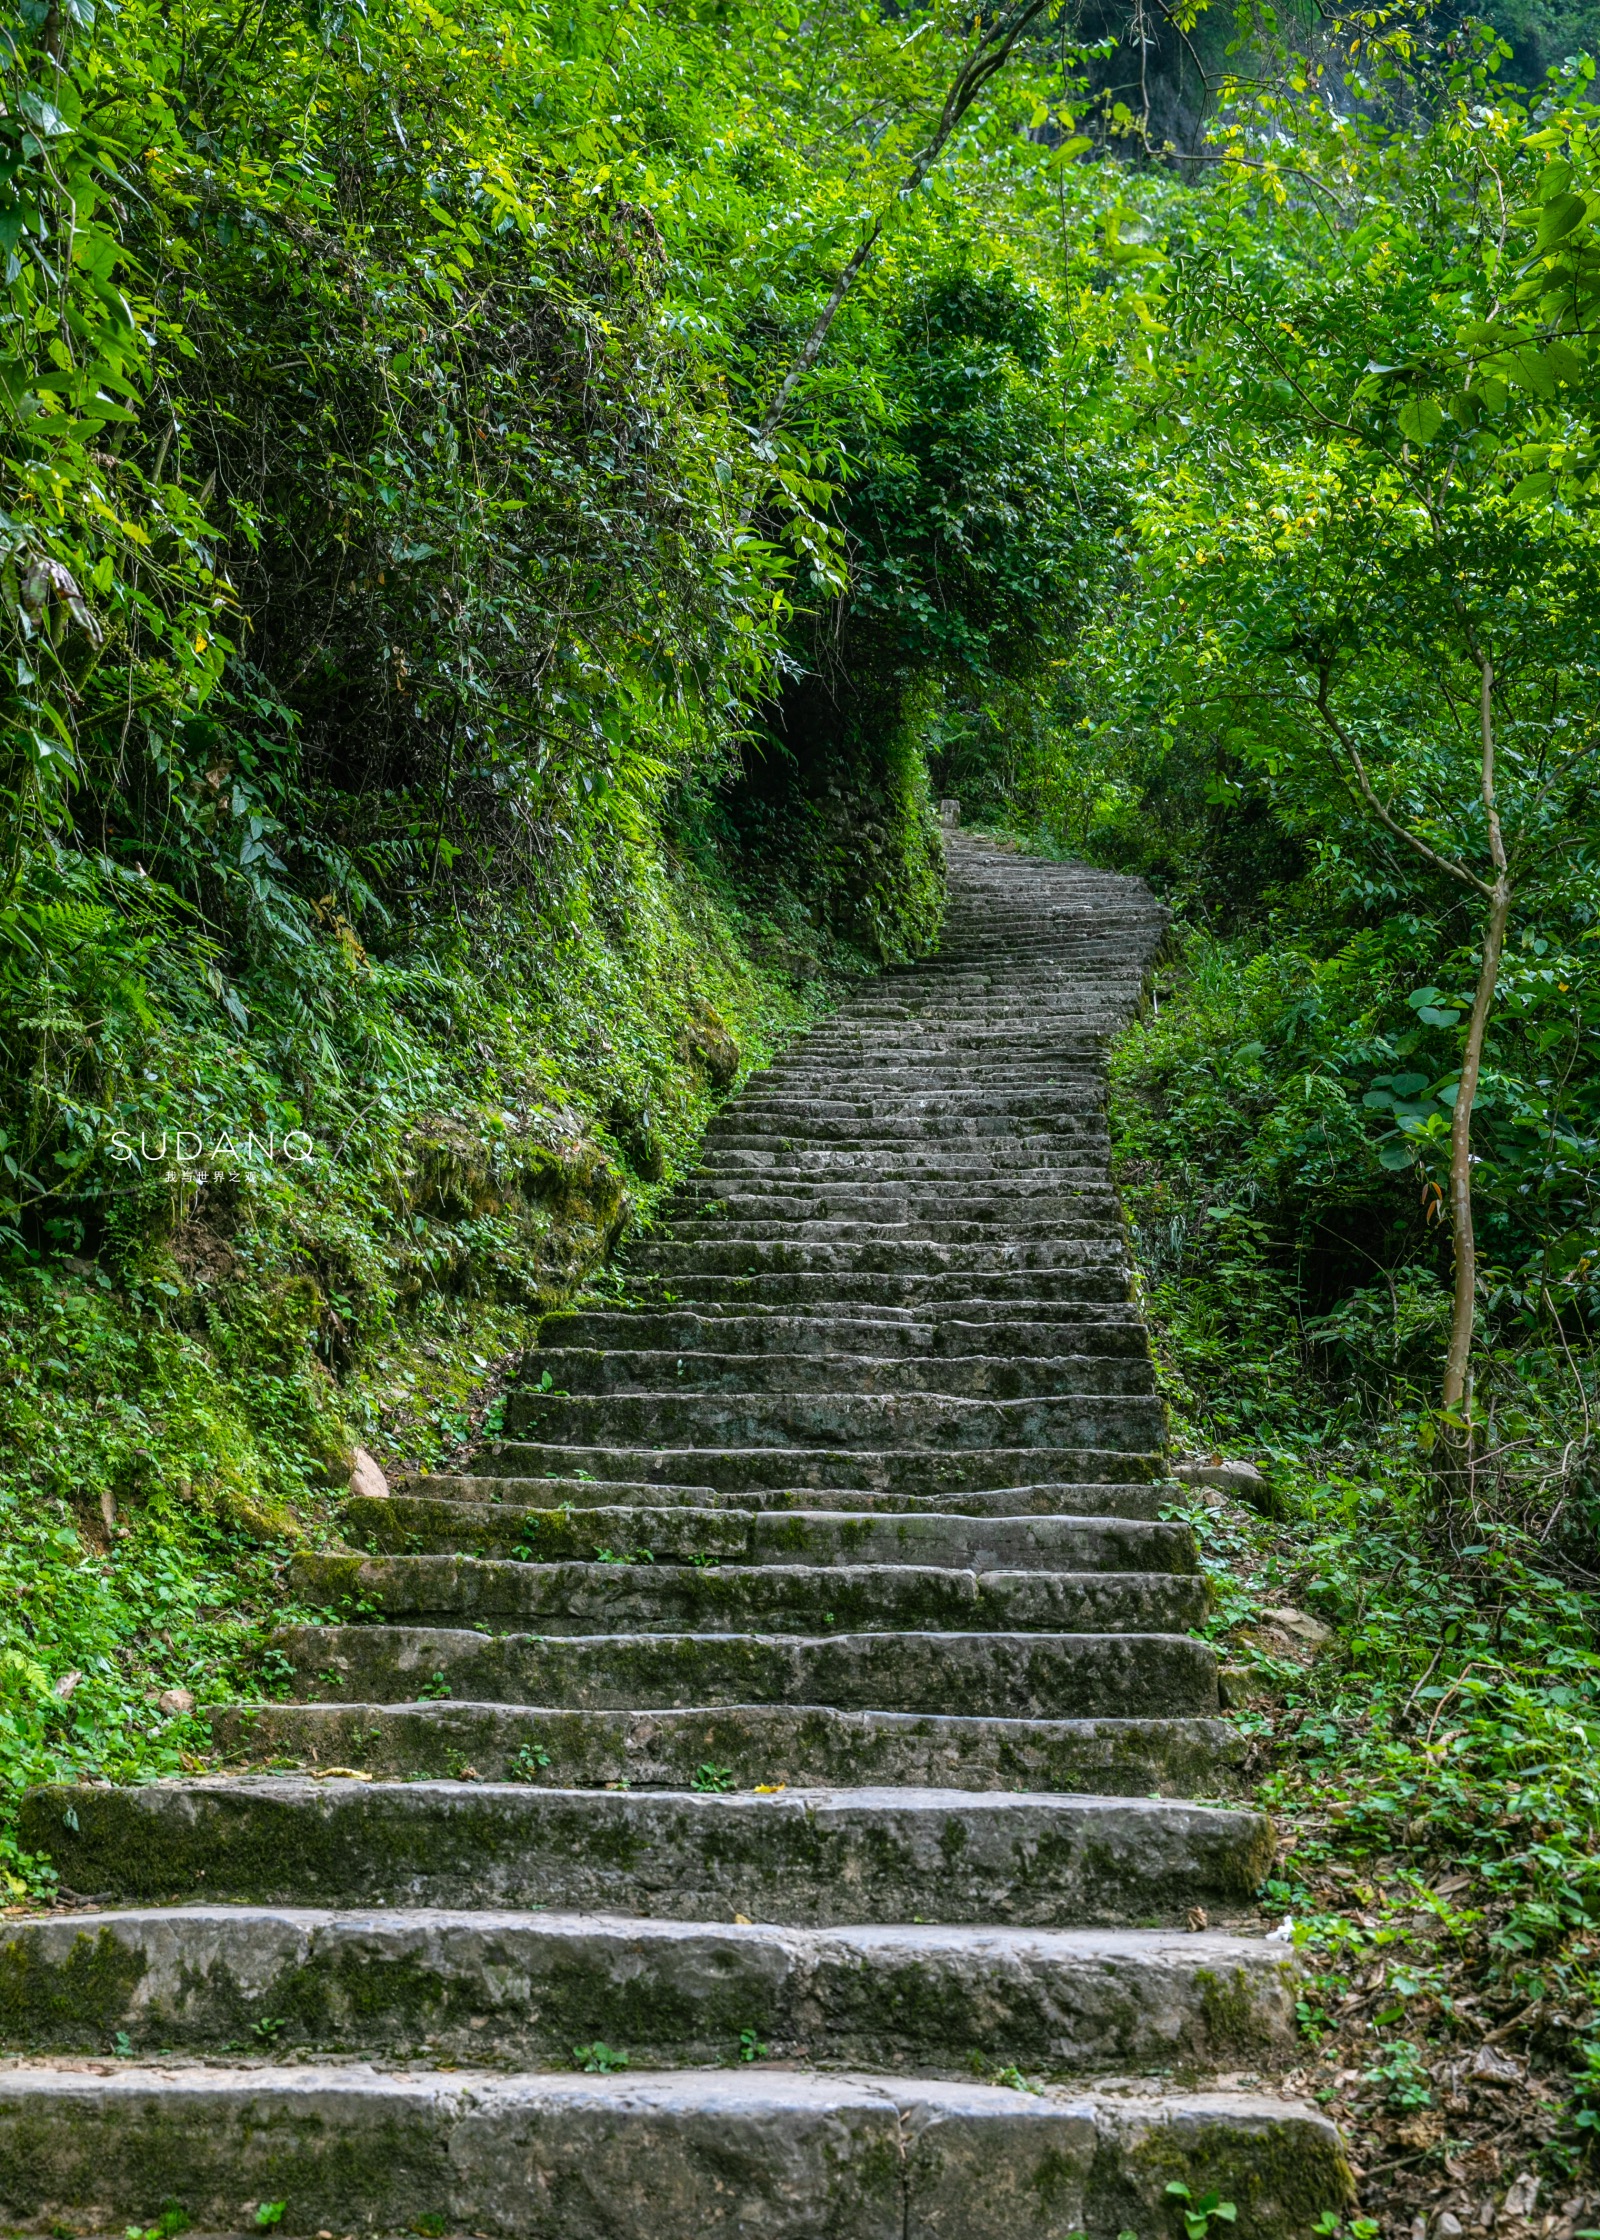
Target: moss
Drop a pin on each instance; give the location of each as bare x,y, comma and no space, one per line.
81,2001
1232,2009
1283,2176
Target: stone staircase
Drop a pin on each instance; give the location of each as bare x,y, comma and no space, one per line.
803,1704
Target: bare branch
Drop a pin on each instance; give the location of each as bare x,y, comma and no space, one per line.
1390,822
988,57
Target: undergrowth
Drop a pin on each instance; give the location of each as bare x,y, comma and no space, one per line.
183,1380
1421,1691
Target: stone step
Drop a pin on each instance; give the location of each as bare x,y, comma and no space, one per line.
904,1471
809,1205
1107,1677
673,2155
1139,1502
759,1747
420,1524
945,1069
942,1422
826,1196
997,1375
806,1230
978,1130
742,1598
818,1290
973,1166
525,1988
806,1857
883,1103
1004,1257
1107,1332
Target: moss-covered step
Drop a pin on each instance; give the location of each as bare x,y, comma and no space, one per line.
733,1746
934,1422
889,1255
994,1675
860,1197
863,1132
935,1226
1104,1331
1066,1166
1137,1502
671,2155
744,1598
418,1524
921,1473
807,1857
1041,1155
829,1290
972,1376
527,1988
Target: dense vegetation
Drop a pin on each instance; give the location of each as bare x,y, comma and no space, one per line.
454,725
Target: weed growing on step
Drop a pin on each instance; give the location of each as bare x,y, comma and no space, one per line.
1201,2212
174,2218
599,2059
713,1780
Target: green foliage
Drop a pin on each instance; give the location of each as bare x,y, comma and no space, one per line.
1200,2214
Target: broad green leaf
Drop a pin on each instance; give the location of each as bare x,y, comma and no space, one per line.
1421,418
1558,217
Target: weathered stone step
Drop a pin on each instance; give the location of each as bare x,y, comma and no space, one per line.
978,1129
816,1290
921,1475
759,1746
1115,1332
1118,1679
416,1524
940,1422
805,1230
742,1598
1052,1160
679,2155
528,1987
803,1204
805,1857
1139,1502
853,1196
851,1077
971,1376
989,1256
885,1105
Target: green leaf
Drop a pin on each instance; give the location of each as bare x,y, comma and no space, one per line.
1558,217
1421,419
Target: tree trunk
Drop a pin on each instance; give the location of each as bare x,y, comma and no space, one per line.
1455,1477
1466,1251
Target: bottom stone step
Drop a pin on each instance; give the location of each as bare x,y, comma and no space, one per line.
686,2155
